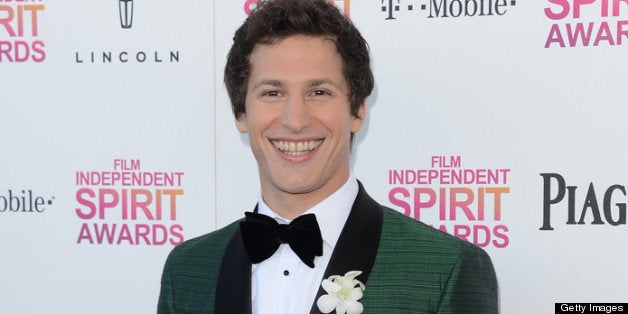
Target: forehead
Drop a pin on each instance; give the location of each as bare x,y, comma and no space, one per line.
296,57
298,41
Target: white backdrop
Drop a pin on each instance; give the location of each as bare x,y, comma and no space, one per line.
492,89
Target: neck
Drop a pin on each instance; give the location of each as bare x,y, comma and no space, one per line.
290,205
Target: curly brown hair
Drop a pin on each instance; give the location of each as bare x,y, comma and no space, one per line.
274,20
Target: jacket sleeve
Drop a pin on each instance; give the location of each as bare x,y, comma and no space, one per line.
471,286
166,299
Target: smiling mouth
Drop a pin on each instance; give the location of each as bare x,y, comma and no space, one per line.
296,149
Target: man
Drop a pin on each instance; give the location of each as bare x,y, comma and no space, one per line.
298,75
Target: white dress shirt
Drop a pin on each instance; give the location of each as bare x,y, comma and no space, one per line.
283,284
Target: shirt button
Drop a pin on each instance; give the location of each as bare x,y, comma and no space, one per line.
286,272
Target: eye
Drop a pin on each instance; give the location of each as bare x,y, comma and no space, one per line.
271,93
320,92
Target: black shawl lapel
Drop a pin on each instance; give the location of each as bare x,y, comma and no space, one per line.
357,245
233,289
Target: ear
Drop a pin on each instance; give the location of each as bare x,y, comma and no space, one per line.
241,123
357,122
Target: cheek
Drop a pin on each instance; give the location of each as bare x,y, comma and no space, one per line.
257,123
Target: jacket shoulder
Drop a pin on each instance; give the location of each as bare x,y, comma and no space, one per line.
197,261
407,232
202,251
429,271
191,270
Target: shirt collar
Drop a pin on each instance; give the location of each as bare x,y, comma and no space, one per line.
331,213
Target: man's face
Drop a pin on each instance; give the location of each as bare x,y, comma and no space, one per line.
298,119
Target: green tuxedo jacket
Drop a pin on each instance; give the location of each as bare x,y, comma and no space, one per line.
407,266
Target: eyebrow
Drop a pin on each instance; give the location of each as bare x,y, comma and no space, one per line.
309,83
275,83
318,82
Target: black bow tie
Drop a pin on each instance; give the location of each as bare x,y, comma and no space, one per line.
262,236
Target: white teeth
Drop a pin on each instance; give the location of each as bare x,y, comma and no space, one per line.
296,148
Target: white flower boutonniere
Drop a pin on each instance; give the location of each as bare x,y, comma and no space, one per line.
342,294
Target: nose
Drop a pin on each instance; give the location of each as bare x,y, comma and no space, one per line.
296,114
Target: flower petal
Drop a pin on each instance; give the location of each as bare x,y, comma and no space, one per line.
348,284
354,307
352,274
341,308
330,286
356,294
362,286
327,303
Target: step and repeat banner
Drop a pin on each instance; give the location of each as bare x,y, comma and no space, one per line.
502,122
